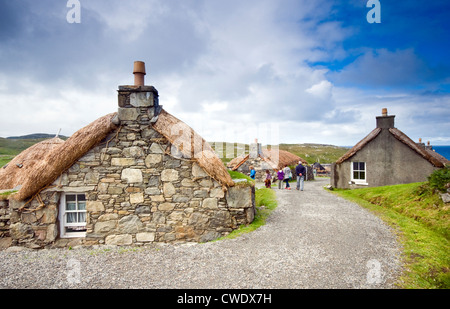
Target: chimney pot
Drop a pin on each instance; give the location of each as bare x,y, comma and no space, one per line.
384,112
139,73
420,140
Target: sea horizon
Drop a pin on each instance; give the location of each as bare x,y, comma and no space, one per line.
443,150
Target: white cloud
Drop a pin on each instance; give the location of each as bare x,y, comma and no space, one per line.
233,70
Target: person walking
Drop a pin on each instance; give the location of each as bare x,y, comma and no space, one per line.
280,176
268,180
287,176
252,172
300,171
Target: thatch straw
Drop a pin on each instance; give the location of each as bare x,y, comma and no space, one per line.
276,158
280,158
18,169
192,146
62,156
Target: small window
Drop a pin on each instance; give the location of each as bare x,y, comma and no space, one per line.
73,215
359,172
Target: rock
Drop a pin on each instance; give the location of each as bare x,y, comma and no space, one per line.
142,99
156,148
136,198
21,231
166,207
94,206
132,175
168,189
133,152
105,226
130,224
123,161
91,178
240,197
210,203
153,159
142,210
169,175
128,114
145,237
52,233
197,171
119,240
445,197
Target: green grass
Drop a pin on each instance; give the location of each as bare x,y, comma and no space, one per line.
265,202
4,159
422,222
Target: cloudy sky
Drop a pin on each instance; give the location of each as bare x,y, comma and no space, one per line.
287,71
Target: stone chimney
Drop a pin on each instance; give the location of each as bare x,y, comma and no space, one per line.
385,121
420,144
255,149
138,104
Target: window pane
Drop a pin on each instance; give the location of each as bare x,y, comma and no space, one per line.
71,206
70,198
362,175
81,197
71,217
355,175
81,217
81,205
362,166
355,166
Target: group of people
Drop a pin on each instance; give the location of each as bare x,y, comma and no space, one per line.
284,175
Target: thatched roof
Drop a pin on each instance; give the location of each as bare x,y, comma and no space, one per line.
402,137
277,159
192,146
15,173
280,158
359,146
42,163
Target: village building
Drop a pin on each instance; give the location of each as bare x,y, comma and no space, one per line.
263,159
386,156
133,177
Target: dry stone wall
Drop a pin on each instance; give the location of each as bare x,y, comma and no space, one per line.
4,218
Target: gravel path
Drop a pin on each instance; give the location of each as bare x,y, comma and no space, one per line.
312,240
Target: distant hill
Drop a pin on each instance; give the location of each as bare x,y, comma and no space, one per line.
12,146
310,152
36,136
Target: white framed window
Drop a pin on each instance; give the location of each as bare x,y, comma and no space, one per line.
72,215
359,173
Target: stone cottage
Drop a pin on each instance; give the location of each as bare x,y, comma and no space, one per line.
386,156
132,177
263,159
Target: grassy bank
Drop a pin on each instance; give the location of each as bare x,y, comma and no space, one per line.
422,222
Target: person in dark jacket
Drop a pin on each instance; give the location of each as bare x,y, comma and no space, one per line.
300,171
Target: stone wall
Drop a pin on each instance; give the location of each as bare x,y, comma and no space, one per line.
4,218
137,194
34,223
